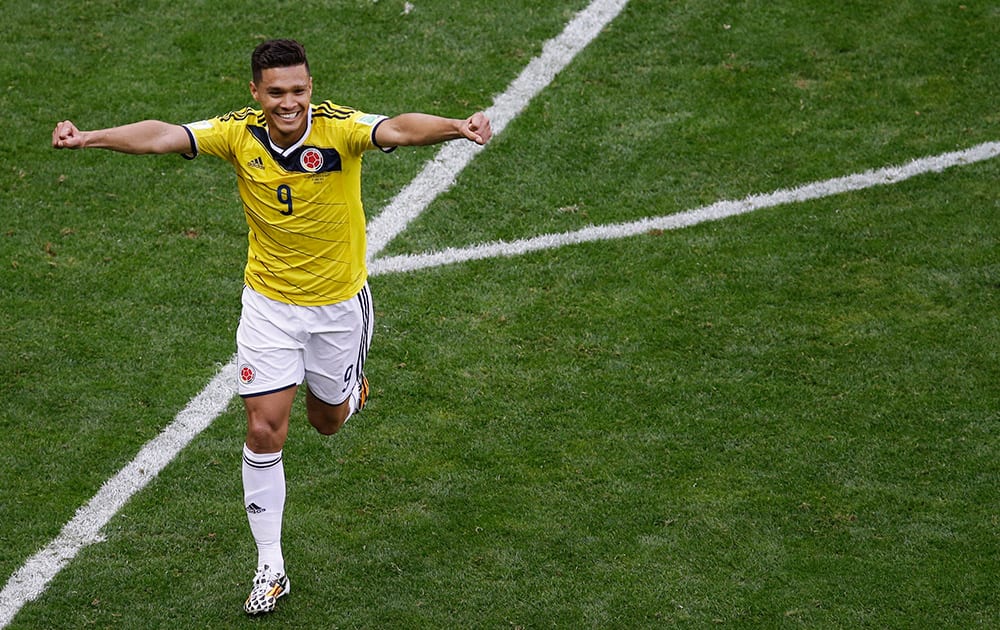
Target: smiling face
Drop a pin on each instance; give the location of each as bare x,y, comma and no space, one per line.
284,95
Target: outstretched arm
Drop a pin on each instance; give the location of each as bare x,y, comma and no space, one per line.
420,129
148,136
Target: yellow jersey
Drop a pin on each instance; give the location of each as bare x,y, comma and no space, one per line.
306,241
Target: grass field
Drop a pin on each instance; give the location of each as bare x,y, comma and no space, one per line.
782,419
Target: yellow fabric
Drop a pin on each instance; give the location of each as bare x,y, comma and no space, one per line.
302,204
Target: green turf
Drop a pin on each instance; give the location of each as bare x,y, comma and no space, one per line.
783,419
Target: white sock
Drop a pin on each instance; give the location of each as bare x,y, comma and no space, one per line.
264,499
355,399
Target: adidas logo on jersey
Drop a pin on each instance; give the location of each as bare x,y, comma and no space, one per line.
257,162
253,508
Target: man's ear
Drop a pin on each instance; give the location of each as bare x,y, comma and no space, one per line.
253,91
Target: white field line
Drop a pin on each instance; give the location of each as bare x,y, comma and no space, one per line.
439,174
30,581
713,212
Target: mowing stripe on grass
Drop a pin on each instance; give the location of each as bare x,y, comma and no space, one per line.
713,212
31,580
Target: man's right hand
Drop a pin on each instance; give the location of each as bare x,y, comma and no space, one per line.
66,136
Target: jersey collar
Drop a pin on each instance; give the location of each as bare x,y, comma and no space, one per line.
291,149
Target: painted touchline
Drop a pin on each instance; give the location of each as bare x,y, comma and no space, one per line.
713,212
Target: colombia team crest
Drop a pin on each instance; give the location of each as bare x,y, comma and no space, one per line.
311,160
247,374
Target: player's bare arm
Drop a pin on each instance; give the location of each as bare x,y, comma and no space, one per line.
148,136
416,129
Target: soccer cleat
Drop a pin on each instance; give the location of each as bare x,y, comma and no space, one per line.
362,393
268,586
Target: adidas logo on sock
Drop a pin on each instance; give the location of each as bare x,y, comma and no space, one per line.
253,508
256,163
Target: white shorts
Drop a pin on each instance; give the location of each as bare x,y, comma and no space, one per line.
281,345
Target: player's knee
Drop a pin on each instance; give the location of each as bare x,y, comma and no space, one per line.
327,428
263,438
327,419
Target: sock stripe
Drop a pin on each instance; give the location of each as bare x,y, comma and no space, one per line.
261,464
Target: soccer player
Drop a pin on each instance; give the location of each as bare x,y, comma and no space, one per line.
307,309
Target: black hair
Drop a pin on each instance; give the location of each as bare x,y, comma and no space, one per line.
277,53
